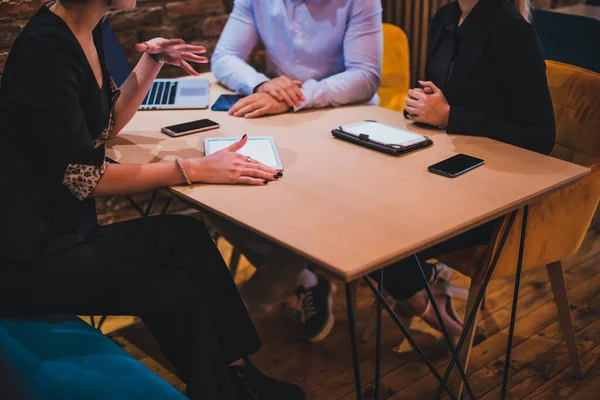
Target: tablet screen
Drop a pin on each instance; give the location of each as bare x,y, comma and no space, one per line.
261,149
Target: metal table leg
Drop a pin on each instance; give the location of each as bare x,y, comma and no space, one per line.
513,314
350,287
381,298
378,341
444,329
478,300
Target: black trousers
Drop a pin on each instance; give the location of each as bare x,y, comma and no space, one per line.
403,279
165,270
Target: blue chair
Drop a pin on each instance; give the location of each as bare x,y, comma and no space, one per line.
567,38
63,358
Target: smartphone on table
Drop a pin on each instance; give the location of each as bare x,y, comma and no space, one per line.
456,165
187,128
225,101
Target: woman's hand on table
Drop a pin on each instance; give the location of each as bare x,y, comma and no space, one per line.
175,52
428,105
227,166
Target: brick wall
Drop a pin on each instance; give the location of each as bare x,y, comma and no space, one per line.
197,21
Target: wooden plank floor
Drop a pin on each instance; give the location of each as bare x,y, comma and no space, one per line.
540,366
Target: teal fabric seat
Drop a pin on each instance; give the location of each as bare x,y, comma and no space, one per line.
63,358
568,38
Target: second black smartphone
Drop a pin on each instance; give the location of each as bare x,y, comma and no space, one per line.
456,165
225,101
187,128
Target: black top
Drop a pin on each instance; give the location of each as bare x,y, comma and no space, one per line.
52,111
493,74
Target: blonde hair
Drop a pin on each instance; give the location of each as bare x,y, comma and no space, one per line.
523,7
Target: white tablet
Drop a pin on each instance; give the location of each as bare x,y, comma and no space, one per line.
260,148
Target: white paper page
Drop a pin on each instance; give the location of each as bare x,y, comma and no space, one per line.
259,149
380,133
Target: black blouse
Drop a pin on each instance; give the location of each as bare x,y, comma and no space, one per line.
55,119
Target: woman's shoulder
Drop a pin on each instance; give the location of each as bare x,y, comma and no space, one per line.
47,32
509,23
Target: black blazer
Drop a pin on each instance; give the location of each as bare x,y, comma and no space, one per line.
498,86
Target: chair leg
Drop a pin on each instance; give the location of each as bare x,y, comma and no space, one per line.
557,280
455,381
369,323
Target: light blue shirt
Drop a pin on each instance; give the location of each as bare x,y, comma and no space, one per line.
334,47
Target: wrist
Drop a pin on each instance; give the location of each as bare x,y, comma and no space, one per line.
257,87
156,58
447,115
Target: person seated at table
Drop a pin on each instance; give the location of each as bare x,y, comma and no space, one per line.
58,107
485,76
319,54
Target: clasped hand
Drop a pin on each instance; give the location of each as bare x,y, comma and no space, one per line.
428,105
272,97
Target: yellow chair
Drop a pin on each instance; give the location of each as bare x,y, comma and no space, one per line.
395,74
556,224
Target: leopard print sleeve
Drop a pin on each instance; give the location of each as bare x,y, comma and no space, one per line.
105,135
82,179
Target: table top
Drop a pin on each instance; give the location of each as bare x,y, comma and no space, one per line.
584,10
348,209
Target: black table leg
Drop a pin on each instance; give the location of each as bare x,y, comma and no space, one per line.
478,300
350,287
378,341
513,314
444,330
407,335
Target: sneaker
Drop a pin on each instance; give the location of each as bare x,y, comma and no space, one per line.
315,306
251,384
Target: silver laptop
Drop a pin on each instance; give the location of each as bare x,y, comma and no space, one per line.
177,94
167,94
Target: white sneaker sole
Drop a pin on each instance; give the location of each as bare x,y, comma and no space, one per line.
330,321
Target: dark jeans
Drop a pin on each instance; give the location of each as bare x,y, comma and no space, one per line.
165,270
403,279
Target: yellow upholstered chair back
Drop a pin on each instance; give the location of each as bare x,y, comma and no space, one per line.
395,74
557,224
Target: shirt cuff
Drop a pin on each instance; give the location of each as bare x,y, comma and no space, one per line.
82,179
247,88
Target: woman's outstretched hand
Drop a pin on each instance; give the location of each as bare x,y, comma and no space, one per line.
227,166
175,52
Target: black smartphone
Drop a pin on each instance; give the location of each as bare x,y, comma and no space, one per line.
186,128
225,101
456,165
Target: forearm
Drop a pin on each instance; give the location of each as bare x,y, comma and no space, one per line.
528,135
125,179
133,91
233,72
348,87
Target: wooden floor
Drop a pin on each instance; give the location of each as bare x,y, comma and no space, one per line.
540,368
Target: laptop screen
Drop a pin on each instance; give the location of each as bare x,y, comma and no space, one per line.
116,60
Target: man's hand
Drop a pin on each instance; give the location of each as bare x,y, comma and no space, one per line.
256,105
283,89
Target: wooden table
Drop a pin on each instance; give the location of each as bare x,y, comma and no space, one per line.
583,10
348,209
